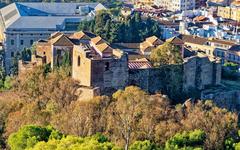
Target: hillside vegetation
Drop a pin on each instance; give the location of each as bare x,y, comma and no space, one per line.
41,111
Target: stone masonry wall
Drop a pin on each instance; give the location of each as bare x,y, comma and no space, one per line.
110,75
177,81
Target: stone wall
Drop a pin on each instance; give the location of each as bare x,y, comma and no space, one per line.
200,72
229,99
179,81
87,93
167,79
109,74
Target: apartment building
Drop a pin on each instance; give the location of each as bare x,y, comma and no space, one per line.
21,24
229,12
176,5
228,51
143,3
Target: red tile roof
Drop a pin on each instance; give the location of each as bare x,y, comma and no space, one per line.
139,64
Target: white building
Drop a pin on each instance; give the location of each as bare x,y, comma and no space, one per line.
21,24
176,5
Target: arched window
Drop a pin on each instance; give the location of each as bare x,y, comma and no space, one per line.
79,61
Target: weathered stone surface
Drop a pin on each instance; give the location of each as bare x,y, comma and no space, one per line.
224,99
178,81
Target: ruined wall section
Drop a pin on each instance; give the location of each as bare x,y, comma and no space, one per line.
178,81
110,74
167,79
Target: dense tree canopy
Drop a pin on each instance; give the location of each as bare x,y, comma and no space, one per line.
130,118
186,140
30,135
131,29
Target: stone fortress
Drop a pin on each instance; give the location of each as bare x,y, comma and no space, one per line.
102,68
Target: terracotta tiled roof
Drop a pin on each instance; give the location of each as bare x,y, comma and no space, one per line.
79,35
193,39
150,42
139,64
102,47
175,40
153,39
200,18
97,40
144,45
82,35
55,34
61,40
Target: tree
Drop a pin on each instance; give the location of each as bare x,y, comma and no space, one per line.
26,54
83,118
2,77
143,145
14,67
230,71
73,142
30,135
126,111
38,85
218,124
8,83
166,54
131,29
157,110
102,18
186,140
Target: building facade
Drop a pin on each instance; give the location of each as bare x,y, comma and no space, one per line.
102,69
21,24
229,12
176,5
228,51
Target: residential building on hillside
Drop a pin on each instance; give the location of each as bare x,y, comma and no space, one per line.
21,24
176,5
212,47
143,3
229,12
141,49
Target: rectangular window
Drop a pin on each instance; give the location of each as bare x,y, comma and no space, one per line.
21,42
12,42
31,42
12,54
106,66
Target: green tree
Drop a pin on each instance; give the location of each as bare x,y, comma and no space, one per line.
30,135
2,77
26,54
131,29
101,19
166,54
143,145
8,83
14,67
75,143
186,140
